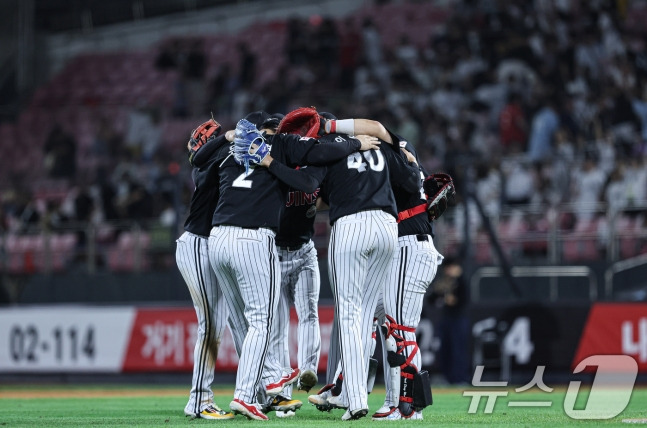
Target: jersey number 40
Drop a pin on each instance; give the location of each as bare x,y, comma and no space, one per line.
359,161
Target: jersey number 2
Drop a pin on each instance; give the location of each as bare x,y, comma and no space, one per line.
243,181
359,161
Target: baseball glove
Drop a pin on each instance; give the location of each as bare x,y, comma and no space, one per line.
440,190
249,145
202,134
304,121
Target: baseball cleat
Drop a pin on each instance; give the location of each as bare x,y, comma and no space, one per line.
336,402
251,411
355,414
307,380
283,404
288,414
394,414
214,412
320,400
287,379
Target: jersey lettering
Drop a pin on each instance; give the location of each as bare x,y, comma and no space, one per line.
242,181
297,198
359,161
422,190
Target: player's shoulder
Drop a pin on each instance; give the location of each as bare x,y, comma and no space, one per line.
289,138
335,138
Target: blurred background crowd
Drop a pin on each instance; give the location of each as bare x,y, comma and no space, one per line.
538,109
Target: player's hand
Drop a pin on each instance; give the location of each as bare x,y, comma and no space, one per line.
229,135
368,142
410,157
267,160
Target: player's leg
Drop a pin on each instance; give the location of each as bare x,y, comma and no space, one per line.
193,263
279,341
416,267
259,285
350,241
251,292
377,279
334,353
306,303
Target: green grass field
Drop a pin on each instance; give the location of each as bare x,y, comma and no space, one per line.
82,406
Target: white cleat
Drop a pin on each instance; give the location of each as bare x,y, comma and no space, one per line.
355,414
281,414
393,414
336,402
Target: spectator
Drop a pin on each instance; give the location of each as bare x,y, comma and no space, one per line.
144,132
60,154
193,76
543,127
588,182
488,188
52,218
450,294
518,182
513,127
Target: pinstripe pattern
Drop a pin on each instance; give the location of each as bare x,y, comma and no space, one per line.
192,259
300,284
247,268
413,271
360,252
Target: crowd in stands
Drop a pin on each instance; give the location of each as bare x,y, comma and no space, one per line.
535,103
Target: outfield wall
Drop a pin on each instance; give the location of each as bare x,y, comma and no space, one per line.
505,338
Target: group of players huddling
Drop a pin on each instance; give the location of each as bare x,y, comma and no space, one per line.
247,254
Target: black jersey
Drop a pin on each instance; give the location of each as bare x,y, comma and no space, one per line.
418,224
205,195
256,198
362,181
297,221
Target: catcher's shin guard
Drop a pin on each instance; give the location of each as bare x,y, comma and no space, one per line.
422,396
412,386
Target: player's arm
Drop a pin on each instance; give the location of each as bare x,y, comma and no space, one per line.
329,149
303,179
324,153
322,205
404,170
358,127
201,157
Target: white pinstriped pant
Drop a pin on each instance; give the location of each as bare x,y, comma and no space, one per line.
247,267
300,284
414,268
192,258
359,260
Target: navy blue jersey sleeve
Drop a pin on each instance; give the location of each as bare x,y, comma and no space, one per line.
403,174
296,151
202,156
303,179
331,148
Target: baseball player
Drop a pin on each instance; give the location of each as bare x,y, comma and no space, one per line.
300,279
193,262
242,248
362,243
412,272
